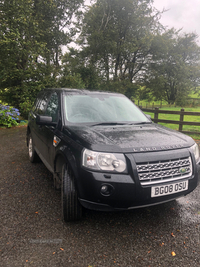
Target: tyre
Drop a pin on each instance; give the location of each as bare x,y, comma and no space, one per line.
71,208
32,154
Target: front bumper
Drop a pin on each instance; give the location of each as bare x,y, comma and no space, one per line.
125,196
125,190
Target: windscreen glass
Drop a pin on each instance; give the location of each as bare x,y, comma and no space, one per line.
101,108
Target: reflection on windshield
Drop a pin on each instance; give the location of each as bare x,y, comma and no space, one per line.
101,108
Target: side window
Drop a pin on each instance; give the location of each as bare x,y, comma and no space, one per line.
41,108
53,107
37,101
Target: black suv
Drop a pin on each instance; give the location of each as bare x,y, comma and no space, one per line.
105,154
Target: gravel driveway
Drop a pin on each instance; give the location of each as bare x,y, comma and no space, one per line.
33,234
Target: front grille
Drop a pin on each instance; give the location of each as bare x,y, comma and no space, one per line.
164,171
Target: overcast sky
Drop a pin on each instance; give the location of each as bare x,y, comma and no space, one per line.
181,14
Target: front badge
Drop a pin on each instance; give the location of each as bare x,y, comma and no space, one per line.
182,170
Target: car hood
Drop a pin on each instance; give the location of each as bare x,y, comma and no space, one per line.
129,138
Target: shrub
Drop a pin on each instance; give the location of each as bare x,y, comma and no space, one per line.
25,108
9,116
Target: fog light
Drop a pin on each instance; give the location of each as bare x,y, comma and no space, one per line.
106,189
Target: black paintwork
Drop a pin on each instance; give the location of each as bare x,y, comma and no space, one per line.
129,138
138,142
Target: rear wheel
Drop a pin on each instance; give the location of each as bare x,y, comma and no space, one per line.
32,154
71,207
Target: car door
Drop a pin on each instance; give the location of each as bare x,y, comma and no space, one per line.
52,110
40,130
32,120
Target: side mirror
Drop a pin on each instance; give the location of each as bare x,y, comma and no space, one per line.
148,116
45,120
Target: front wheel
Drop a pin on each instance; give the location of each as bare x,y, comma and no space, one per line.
71,208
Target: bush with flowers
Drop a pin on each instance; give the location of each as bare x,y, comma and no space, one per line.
9,116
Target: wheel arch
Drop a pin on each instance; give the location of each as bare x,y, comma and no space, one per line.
65,156
28,131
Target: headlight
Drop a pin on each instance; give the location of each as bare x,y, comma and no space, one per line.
103,161
195,150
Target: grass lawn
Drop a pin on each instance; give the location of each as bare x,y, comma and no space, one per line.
176,118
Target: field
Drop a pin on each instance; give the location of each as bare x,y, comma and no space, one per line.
176,118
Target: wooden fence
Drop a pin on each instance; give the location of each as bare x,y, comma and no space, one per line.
181,121
191,102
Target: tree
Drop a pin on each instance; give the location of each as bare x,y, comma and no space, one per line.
31,34
116,37
74,63
174,69
18,48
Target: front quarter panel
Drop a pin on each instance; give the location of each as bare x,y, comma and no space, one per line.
70,152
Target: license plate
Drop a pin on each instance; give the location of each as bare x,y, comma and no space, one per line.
163,190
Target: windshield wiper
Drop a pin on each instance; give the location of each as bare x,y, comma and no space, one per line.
121,123
109,123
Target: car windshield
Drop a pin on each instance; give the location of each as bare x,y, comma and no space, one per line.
101,109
